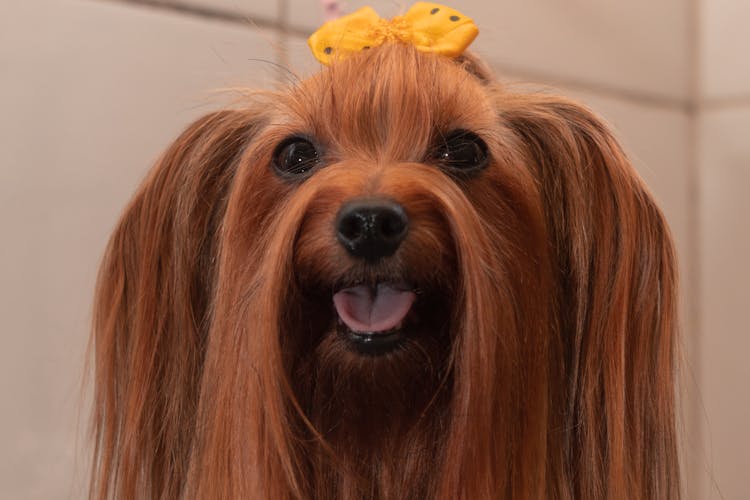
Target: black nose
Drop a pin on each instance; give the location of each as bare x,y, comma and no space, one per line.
372,228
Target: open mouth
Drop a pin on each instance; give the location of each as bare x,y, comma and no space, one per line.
371,317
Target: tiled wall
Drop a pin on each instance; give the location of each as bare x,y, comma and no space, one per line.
92,91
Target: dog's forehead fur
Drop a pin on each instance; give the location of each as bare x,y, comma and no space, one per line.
391,102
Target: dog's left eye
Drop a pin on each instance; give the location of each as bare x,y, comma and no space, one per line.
295,156
461,150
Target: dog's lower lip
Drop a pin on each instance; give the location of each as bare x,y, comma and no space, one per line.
372,343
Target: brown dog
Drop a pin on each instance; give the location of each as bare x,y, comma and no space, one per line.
394,280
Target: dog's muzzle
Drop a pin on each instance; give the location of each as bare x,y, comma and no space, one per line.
372,229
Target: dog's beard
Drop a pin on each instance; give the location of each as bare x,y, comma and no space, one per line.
371,408
365,397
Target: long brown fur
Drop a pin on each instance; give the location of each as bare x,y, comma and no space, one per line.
543,363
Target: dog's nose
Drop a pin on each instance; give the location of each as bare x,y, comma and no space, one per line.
371,228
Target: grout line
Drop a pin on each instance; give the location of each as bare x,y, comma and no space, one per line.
604,90
697,461
215,14
721,103
282,54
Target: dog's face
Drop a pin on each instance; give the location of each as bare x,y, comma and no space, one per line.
375,249
394,280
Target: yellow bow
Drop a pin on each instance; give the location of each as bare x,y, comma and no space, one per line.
428,26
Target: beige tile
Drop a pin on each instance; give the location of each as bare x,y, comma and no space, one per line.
91,93
725,274
725,39
299,58
640,45
308,16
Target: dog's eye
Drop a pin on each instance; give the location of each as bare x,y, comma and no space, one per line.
461,150
295,156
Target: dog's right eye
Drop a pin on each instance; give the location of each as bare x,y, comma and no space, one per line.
461,151
295,156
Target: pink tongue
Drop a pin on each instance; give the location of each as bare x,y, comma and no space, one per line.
363,309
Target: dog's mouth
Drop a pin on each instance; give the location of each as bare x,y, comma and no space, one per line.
371,317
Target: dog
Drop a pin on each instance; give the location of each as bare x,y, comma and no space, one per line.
397,279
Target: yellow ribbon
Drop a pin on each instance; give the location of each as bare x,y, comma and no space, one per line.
430,27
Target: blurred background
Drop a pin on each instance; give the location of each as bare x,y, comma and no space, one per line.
92,91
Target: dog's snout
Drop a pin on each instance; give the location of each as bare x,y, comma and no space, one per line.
371,228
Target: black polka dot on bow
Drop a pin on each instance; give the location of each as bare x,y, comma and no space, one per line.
434,11
455,18
328,50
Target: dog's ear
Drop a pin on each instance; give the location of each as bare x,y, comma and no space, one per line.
616,295
152,309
